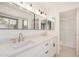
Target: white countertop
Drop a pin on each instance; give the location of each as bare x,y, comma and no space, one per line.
7,50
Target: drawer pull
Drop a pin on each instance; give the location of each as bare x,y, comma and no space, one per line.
53,44
46,52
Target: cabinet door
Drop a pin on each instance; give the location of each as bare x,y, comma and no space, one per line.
52,47
45,49
33,52
45,53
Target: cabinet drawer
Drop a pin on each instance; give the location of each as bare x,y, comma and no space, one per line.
53,47
45,53
45,45
33,52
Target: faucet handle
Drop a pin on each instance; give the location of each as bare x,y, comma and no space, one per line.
23,38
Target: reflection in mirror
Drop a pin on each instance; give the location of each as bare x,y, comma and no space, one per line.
8,23
30,21
4,22
51,24
43,24
13,24
24,24
38,22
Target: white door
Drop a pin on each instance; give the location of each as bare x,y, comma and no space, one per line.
68,30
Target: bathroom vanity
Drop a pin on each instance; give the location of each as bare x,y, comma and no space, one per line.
47,48
34,47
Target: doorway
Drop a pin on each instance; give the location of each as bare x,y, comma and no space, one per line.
68,33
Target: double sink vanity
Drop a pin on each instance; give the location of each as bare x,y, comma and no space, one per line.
41,46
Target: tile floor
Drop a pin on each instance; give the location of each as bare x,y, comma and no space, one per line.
67,52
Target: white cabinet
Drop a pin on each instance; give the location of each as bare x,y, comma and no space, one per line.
45,49
49,48
53,47
32,52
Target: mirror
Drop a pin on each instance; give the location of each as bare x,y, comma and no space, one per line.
36,21
4,22
43,24
32,22
13,24
8,23
27,21
40,22
24,24
51,24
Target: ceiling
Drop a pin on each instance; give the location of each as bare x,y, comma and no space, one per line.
52,8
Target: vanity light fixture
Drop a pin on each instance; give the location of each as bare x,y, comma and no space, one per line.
29,7
41,12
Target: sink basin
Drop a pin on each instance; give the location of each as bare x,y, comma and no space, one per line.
21,44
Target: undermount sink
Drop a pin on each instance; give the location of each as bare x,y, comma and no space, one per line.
21,44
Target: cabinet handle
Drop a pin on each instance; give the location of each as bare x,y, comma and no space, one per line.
53,44
46,44
46,52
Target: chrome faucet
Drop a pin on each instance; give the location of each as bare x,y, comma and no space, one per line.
21,38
